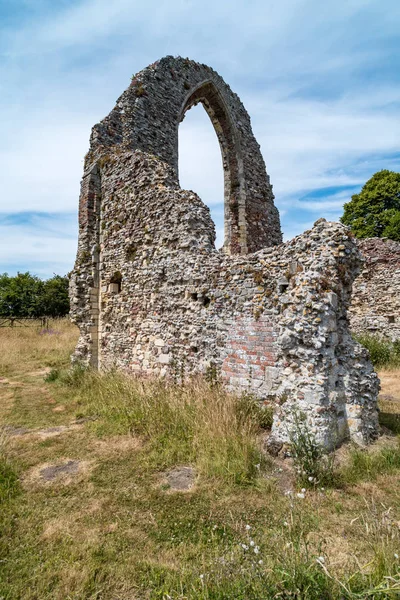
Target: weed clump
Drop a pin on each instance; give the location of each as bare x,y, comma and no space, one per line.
314,465
72,377
383,352
249,407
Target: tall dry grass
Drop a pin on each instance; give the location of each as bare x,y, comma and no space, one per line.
390,383
32,347
193,423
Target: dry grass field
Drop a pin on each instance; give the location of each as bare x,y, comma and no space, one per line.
117,489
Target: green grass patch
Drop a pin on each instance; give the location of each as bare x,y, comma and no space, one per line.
367,466
390,420
118,532
9,482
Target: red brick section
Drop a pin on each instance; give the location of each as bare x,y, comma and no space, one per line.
87,202
250,349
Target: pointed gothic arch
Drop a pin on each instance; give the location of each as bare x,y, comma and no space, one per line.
147,116
234,193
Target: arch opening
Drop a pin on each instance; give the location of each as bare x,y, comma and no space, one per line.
234,236
200,165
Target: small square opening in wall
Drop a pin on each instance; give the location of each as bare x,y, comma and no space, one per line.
391,318
115,283
283,285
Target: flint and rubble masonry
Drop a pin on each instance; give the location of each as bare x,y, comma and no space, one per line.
375,305
151,294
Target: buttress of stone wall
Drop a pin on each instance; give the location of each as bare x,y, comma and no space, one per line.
324,374
375,306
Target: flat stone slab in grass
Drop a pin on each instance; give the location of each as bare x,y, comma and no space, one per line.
64,471
181,478
55,471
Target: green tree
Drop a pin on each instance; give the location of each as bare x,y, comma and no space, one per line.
55,300
20,295
26,295
375,211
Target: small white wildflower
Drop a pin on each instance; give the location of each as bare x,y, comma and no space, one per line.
303,490
256,550
322,489
244,547
396,556
299,495
252,543
202,576
288,492
260,562
321,559
286,524
311,479
248,527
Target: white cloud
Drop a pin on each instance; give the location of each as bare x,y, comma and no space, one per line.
309,144
43,167
318,79
44,246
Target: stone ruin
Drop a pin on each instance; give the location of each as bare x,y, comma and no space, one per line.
152,295
375,306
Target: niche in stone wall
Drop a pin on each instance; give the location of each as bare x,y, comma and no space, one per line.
115,283
200,164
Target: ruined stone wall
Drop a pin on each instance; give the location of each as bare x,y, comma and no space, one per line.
152,295
375,306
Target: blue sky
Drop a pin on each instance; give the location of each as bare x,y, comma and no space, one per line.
320,80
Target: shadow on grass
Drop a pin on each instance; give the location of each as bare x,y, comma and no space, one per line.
390,420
